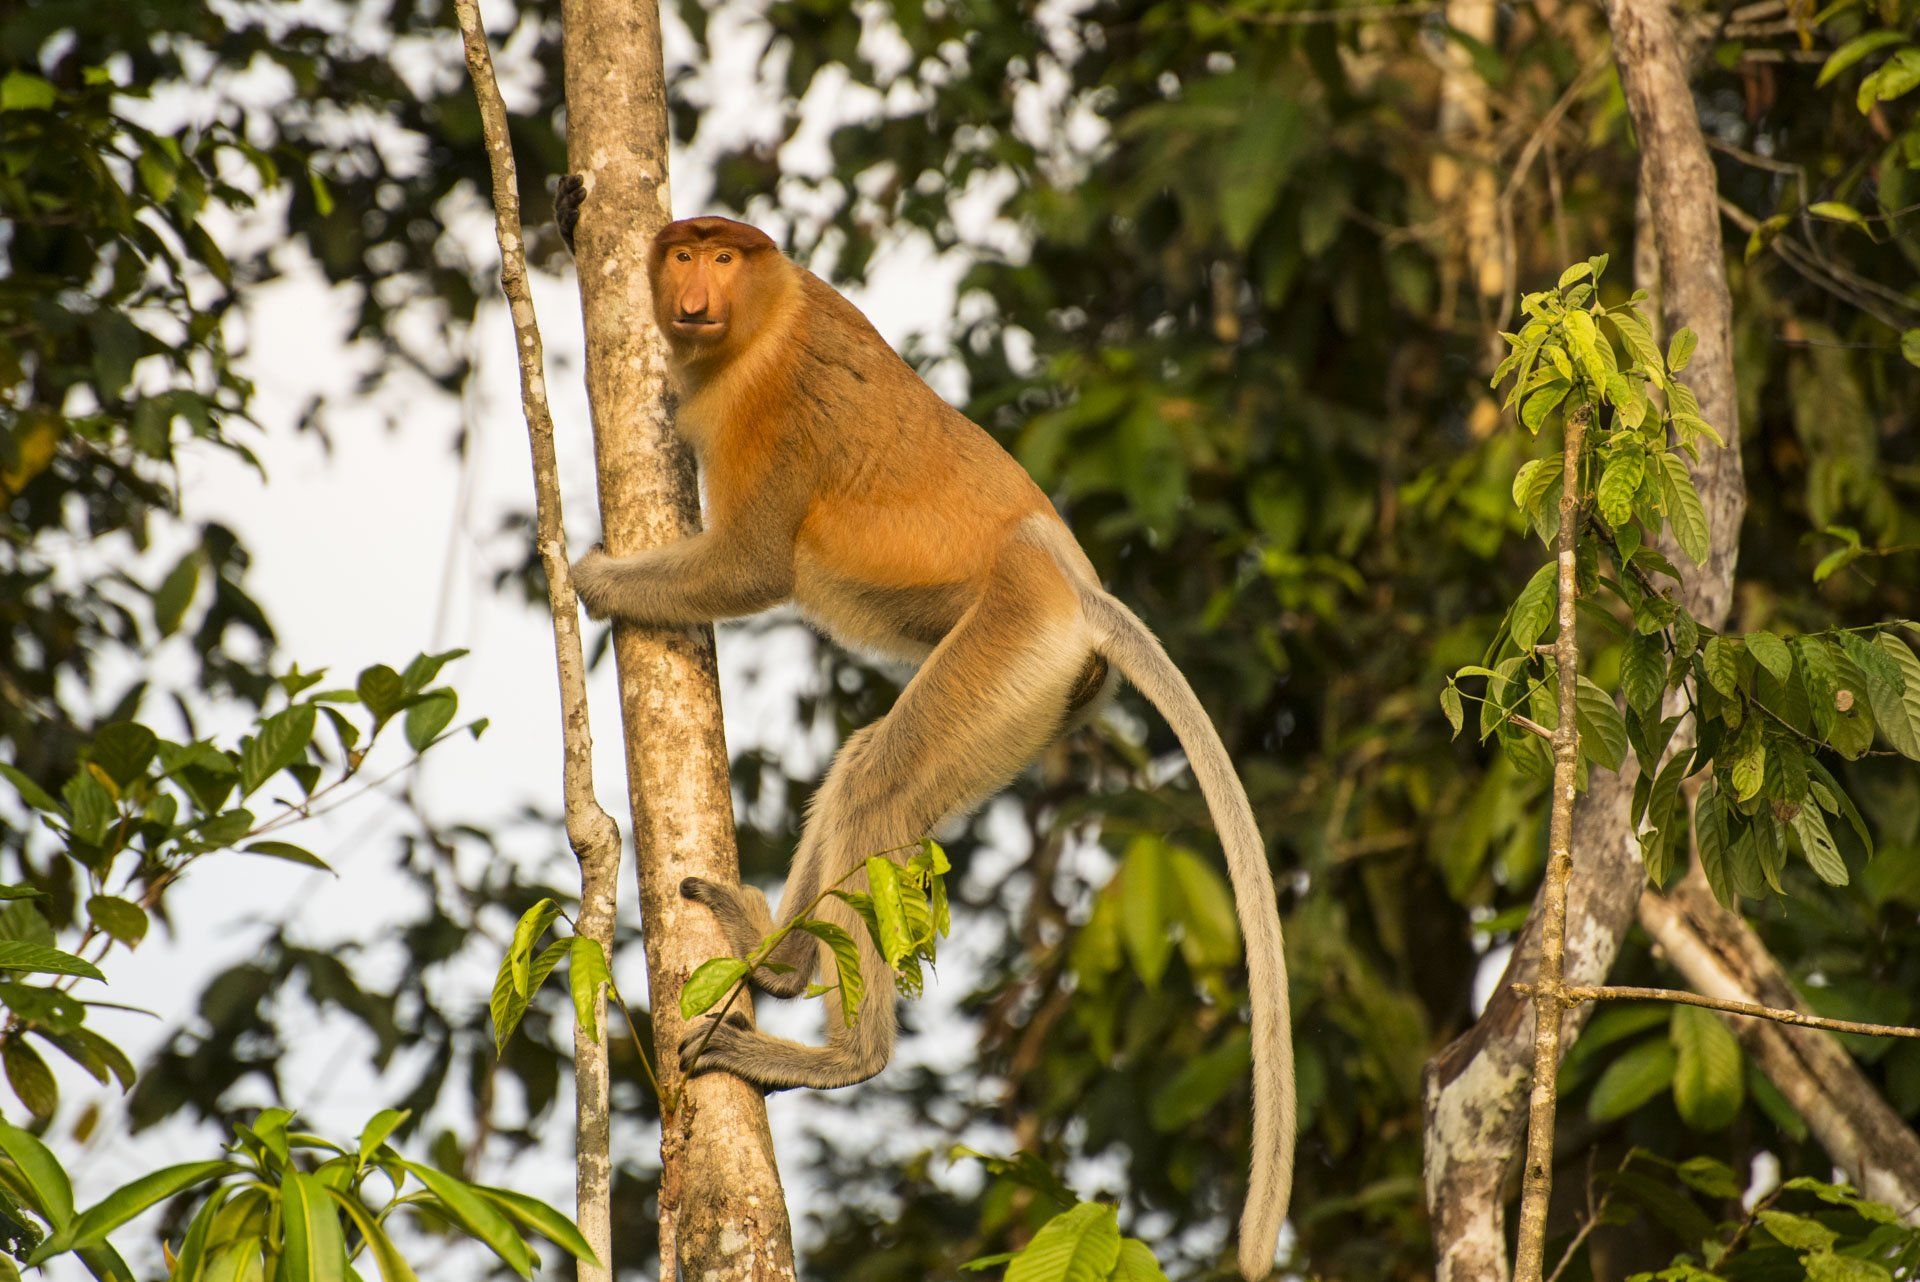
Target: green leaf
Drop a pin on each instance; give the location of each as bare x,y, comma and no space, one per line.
1079,1245
1897,712
1618,483
378,1128
1637,1076
1910,346
1853,51
1710,831
1534,410
281,741
1579,271
1201,1083
425,667
1450,705
1771,653
92,1225
1708,1084
123,750
1533,610
1714,1178
314,1249
1136,1263
1825,1266
1797,1231
1722,660
1146,902
382,691
30,792
533,923
427,718
586,972
175,593
1685,512
42,1173
291,853
1817,841
479,1217
1535,481
393,1266
1748,766
892,932
1210,936
23,91
1603,733
121,919
38,958
1643,671
710,981
532,1214
1838,212
1680,350
190,1263
846,961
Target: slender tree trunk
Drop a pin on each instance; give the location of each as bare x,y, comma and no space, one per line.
1476,1086
723,1217
591,832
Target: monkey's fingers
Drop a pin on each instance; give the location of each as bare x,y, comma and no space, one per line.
567,197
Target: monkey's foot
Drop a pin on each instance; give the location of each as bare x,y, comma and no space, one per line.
715,1045
567,195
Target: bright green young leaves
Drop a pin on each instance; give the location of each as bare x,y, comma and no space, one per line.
904,911
523,971
286,1205
1081,1244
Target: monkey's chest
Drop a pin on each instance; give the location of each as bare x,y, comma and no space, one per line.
890,621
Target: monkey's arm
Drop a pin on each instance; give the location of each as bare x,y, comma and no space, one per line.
717,574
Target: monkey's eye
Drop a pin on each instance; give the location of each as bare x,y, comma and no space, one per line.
684,256
723,258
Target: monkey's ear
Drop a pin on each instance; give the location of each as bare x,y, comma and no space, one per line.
568,193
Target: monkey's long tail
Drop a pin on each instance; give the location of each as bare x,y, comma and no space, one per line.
1132,648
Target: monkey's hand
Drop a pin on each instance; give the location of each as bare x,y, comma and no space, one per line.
567,195
593,577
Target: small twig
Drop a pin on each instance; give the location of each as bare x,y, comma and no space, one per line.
1752,1010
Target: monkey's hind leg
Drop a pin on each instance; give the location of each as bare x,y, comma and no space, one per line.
988,699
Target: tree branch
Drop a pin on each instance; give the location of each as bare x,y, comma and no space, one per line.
590,830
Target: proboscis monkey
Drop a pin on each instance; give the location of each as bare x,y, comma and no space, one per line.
836,479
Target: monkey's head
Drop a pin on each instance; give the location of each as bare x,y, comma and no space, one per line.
714,281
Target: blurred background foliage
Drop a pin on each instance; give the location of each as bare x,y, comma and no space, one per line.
1237,272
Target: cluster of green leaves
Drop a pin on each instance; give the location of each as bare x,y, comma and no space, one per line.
1803,1228
1630,1055
904,909
1761,705
522,972
283,1204
139,810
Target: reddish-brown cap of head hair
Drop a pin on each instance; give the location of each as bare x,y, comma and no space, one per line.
714,232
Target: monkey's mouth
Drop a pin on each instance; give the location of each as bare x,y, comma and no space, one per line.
695,324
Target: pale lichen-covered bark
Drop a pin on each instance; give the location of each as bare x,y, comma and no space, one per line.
591,832
723,1217
1475,1087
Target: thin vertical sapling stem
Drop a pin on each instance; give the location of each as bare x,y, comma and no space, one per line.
1549,1000
591,832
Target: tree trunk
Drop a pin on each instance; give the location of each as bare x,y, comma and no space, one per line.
723,1217
1476,1087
